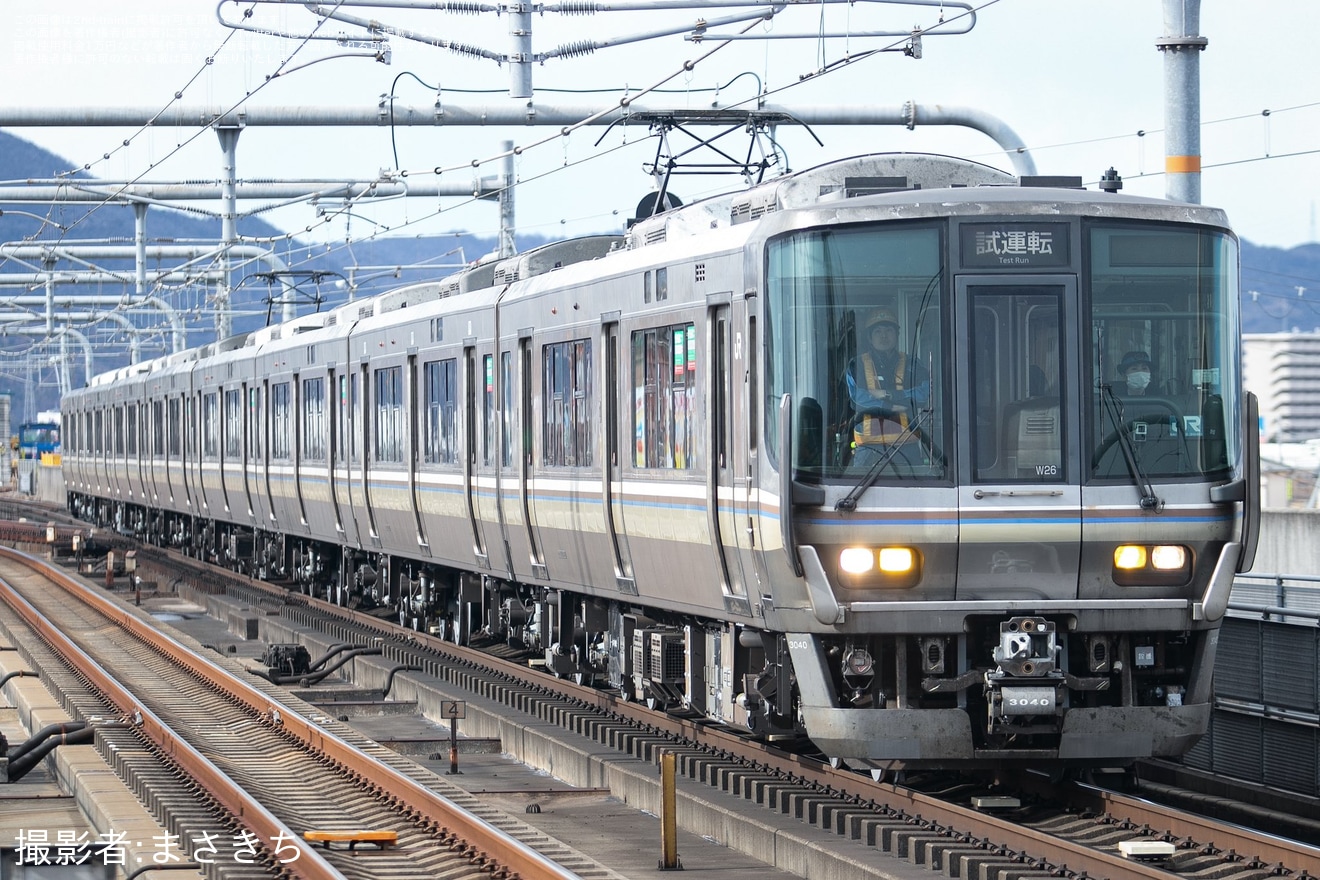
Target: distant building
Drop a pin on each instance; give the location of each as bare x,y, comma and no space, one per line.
1288,475
1283,369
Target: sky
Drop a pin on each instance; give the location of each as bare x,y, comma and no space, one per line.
1080,81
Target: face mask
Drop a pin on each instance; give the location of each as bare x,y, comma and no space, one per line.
1138,381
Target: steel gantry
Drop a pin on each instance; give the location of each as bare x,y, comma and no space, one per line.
213,262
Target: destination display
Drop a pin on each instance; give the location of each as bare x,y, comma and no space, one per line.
1014,245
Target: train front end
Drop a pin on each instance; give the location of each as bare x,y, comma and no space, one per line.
1006,551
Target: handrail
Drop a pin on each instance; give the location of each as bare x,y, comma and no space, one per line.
1289,591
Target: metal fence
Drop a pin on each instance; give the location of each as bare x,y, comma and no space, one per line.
1292,598
1265,725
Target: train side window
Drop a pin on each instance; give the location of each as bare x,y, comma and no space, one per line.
664,363
279,420
440,387
254,422
661,285
567,436
175,428
389,414
341,419
470,406
192,427
525,368
211,425
313,419
131,437
233,424
119,431
355,412
488,410
507,411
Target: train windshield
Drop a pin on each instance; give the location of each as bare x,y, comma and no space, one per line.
856,340
1164,350
39,436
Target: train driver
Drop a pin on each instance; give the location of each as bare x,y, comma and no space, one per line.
886,388
1134,370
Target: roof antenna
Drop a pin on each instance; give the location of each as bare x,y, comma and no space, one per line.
1110,182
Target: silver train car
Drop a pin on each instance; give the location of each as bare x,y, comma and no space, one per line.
640,456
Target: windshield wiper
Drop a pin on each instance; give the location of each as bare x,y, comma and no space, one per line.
849,501
1149,500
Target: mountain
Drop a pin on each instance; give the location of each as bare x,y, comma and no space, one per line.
1271,301
26,368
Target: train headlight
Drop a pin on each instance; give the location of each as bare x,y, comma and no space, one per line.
897,560
856,560
1130,557
1168,557
1152,565
879,567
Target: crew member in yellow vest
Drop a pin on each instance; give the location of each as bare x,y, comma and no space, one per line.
886,387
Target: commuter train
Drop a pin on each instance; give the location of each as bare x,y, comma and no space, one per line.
636,456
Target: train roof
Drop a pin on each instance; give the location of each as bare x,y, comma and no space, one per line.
904,185
843,178
915,184
1053,201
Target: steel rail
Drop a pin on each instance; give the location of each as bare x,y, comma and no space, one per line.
923,808
931,810
498,847
244,810
918,807
1294,856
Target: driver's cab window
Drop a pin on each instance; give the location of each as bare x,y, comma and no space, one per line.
1016,389
856,341
1142,361
1163,351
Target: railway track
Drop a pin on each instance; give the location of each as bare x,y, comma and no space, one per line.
1076,837
215,755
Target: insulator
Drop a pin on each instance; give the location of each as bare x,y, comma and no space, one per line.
465,49
577,8
467,8
573,50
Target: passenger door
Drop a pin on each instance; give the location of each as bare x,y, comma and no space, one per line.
727,469
472,422
611,463
1019,498
336,457
362,527
412,452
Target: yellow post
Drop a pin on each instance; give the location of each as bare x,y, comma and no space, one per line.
668,814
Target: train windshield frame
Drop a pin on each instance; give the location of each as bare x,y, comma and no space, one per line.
1134,289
